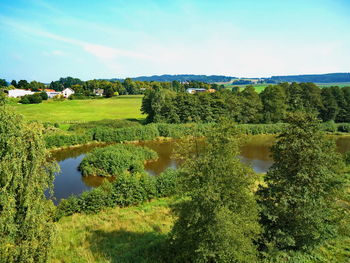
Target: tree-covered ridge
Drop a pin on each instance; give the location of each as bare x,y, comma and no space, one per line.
318,78
185,78
247,106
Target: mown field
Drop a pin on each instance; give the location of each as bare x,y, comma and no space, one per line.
121,107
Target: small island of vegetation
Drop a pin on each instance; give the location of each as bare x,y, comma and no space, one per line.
116,160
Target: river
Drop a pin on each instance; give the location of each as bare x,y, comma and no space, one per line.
255,151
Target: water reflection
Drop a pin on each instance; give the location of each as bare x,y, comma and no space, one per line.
255,151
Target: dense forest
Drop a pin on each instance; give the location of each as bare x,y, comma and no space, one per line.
320,78
247,106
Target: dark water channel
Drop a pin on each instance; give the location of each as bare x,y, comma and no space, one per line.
69,181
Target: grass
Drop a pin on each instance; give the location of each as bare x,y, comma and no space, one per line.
114,235
258,87
121,107
339,84
135,234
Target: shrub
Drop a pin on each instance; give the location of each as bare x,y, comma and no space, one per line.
148,132
104,124
344,127
43,95
166,182
126,190
329,126
60,140
115,160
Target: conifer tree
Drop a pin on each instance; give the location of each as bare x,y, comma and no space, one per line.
218,219
26,228
300,196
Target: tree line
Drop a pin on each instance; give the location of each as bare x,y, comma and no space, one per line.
247,106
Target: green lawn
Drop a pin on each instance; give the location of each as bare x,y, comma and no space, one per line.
121,107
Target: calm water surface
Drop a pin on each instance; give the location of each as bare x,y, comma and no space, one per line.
69,181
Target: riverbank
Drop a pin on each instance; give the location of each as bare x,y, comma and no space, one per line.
136,234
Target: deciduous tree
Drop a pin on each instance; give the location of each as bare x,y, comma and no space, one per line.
299,200
26,227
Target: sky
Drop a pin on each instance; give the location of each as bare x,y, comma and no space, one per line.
44,40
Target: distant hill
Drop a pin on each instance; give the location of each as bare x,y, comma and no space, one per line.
185,77
317,78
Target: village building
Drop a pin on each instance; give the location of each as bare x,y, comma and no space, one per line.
193,90
67,92
98,92
16,93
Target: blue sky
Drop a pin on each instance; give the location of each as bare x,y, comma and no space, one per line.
44,39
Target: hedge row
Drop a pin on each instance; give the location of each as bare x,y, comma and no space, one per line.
60,140
126,190
106,133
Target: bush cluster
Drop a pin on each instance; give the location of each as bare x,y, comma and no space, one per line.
123,130
103,124
36,98
115,160
60,140
143,133
126,190
261,128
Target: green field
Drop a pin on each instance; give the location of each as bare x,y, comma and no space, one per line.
258,87
121,107
340,84
113,235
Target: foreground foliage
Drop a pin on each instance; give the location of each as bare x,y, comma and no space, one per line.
126,190
300,200
218,220
26,227
123,235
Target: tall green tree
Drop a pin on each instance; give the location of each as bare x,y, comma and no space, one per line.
251,106
274,103
330,107
26,227
218,217
3,83
299,198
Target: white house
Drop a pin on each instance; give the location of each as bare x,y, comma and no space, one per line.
67,92
51,94
98,92
193,90
16,93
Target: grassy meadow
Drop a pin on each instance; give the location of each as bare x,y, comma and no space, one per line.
113,235
121,107
258,87
135,234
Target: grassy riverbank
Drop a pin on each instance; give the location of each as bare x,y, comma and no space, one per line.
120,107
113,235
134,234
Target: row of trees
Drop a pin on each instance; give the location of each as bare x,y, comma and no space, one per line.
247,106
222,217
